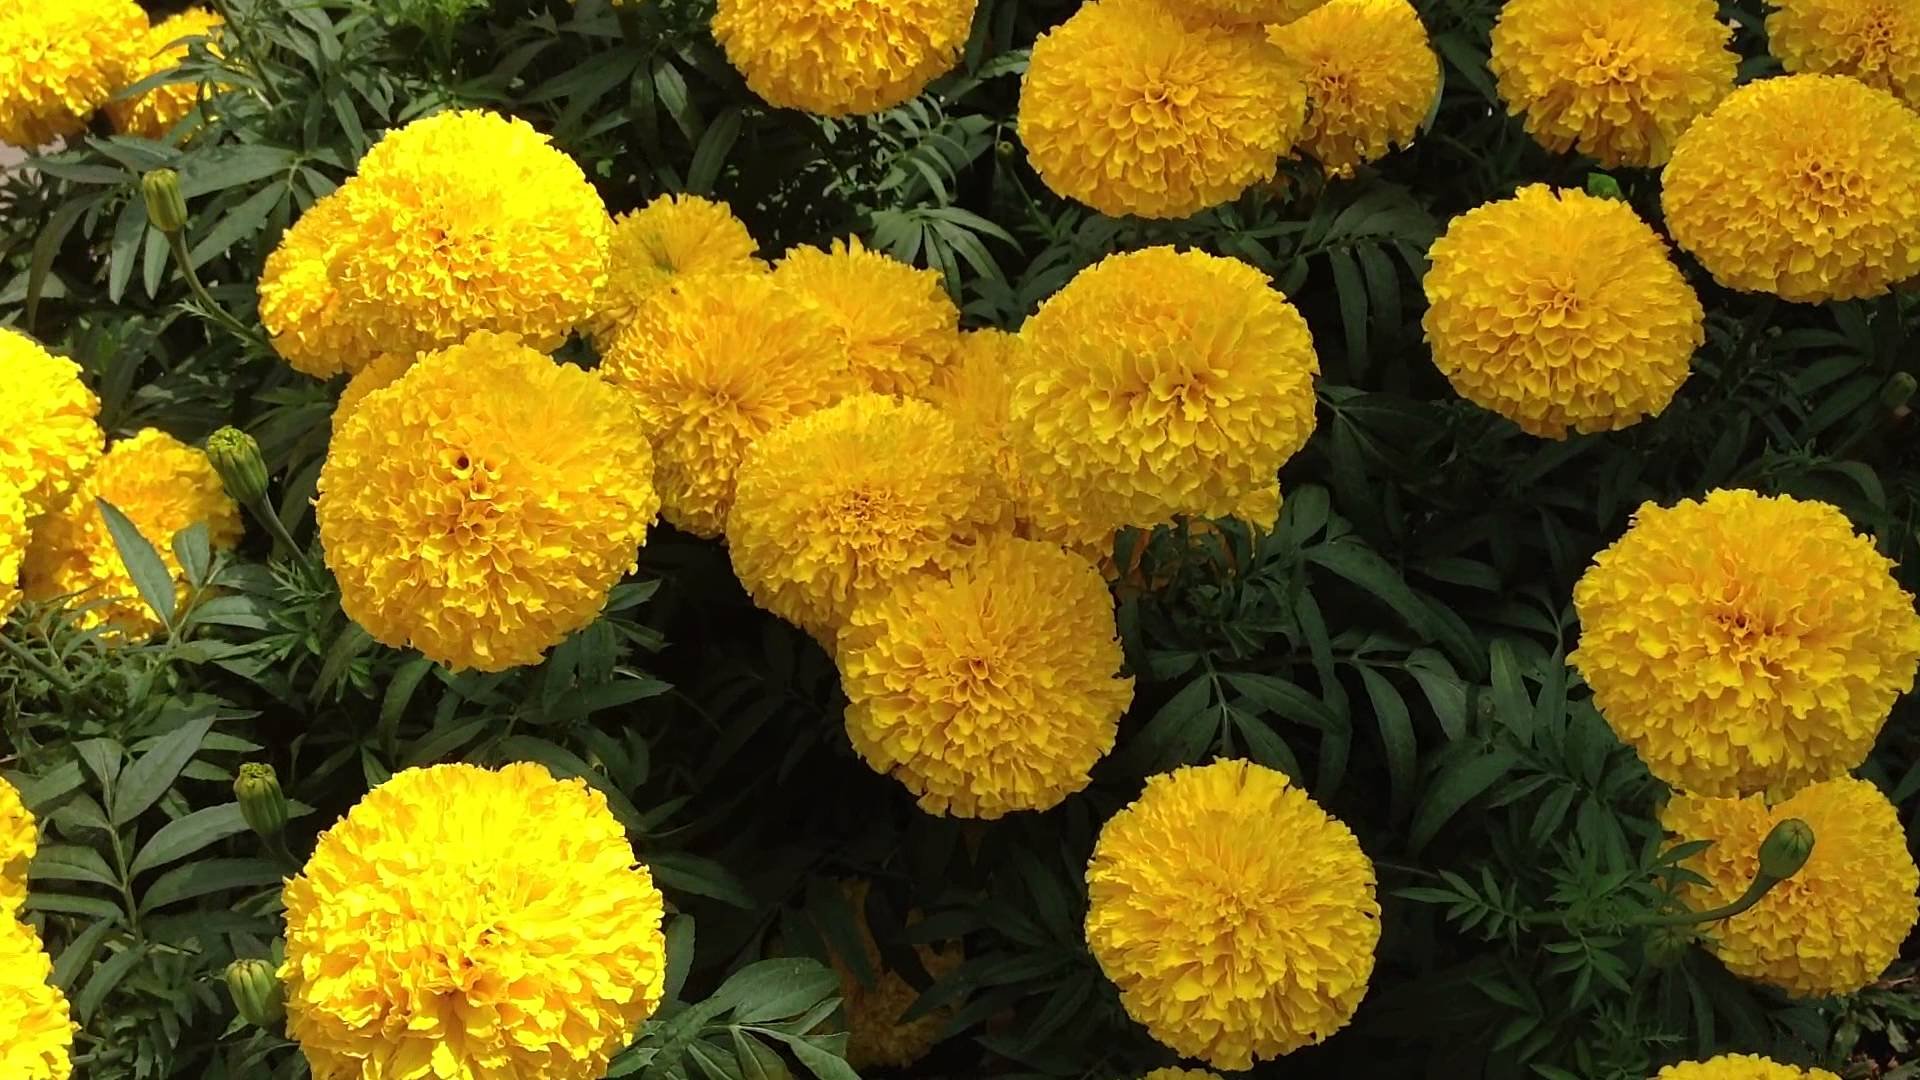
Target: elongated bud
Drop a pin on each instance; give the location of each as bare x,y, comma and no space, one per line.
1898,391
257,994
262,804
1602,186
166,207
236,457
1786,849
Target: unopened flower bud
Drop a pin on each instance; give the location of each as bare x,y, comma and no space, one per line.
166,207
1602,186
257,994
262,804
236,457
1786,849
1898,391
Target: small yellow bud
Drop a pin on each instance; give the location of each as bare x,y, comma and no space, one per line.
166,207
257,994
262,803
236,457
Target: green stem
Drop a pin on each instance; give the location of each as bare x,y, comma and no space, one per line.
177,241
250,51
34,664
282,539
1761,883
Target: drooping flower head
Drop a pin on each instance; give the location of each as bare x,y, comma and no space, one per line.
1874,41
1745,643
61,61
472,922
845,57
49,440
152,114
479,508
1833,927
899,323
1244,12
36,1027
19,839
1237,918
669,239
1620,80
1560,310
878,1036
1371,78
1804,186
1740,1067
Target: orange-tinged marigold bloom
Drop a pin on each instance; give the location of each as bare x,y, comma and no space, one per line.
152,114
49,439
899,323
36,1027
59,61
1740,1067
19,839
1371,78
669,239
877,1036
845,57
1874,41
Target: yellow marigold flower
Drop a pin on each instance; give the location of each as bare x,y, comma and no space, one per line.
1248,12
153,113
49,440
668,239
479,508
1745,643
1371,78
1237,918
991,688
36,1028
1740,1067
1805,186
1131,110
457,223
382,371
14,537
60,61
713,364
1833,927
19,839
1559,310
1619,80
837,505
975,390
1874,41
877,1037
899,324
162,485
468,922
850,57
1181,1074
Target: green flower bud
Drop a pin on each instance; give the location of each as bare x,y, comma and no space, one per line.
1602,186
166,207
262,803
236,457
1898,391
1786,849
257,994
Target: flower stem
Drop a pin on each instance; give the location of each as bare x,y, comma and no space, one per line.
1761,884
36,665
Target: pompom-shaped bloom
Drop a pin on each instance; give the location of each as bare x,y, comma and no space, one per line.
1833,927
899,323
163,486
713,364
1745,643
153,113
1805,186
1371,78
19,839
60,61
835,506
457,223
845,57
1558,310
14,537
1131,110
382,371
1237,918
1245,12
36,1027
991,688
467,922
1740,1067
1619,80
976,392
1874,41
479,508
877,1036
49,440
670,238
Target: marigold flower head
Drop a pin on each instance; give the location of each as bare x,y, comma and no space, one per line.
1833,927
877,1036
479,508
36,1027
456,223
847,57
1247,12
1371,78
61,61
1804,186
19,839
469,922
1175,1073
1237,918
670,238
1619,80
382,371
1130,109
14,537
899,323
1874,41
49,440
152,114
1745,643
975,390
1560,310
1740,1067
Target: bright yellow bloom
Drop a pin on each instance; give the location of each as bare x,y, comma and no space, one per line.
1740,1067
1744,643
1246,12
36,1028
466,922
1180,1074
668,239
1620,80
1833,927
1805,186
1371,78
876,1035
19,839
899,324
479,508
1131,110
975,390
382,371
14,537
59,61
845,57
1559,310
152,114
713,364
49,440
1875,41
991,688
1237,918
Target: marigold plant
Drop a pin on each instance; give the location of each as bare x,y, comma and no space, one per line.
61,61
899,324
19,839
669,239
36,1029
856,56
153,113
49,440
1740,1067
875,1008
1371,78
1875,41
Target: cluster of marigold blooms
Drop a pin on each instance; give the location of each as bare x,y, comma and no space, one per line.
62,61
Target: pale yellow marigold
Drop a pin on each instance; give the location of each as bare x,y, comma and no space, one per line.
1559,310
14,537
713,364
899,323
480,507
877,1037
991,688
36,1027
843,57
382,371
1740,1067
1371,78
1237,918
468,922
1244,12
1174,1073
670,238
59,61
1805,186
457,223
835,506
152,114
1130,110
1620,80
162,485
49,440
1833,927
19,839
1745,643
1875,41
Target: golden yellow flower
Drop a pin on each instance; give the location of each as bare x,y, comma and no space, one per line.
1247,12
457,223
1740,1067
49,440
1745,643
382,371
152,114
1237,918
835,506
1180,1074
1131,110
668,239
1620,80
877,1037
1559,310
36,1028
469,922
60,61
713,364
975,390
19,839
1371,78
14,537
162,485
848,57
479,508
991,688
1874,41
1805,186
1833,927
899,324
